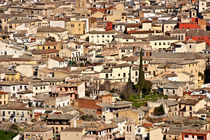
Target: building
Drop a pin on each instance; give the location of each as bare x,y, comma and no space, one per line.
59,122
137,115
101,37
74,89
56,62
161,42
189,107
4,97
16,113
75,133
190,134
88,106
76,27
38,133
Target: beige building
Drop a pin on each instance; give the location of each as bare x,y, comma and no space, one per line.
59,122
190,46
137,115
76,27
155,134
56,32
38,133
73,133
189,107
161,42
15,114
169,25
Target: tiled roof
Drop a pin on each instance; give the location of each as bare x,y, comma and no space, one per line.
73,129
188,101
48,51
60,117
51,29
2,93
38,129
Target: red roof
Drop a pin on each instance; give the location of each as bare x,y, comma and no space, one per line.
51,43
148,124
192,131
1,92
48,51
89,104
58,59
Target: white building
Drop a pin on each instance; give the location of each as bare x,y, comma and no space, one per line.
101,37
56,62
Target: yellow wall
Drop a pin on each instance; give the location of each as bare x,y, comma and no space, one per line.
3,99
128,113
15,77
76,27
44,47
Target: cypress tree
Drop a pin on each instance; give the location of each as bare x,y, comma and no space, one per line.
141,80
128,90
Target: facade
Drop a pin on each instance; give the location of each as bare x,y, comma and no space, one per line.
16,114
188,107
38,133
59,122
57,62
76,27
101,37
188,134
161,42
4,97
74,133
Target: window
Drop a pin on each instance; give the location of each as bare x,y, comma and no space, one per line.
145,68
107,75
186,136
72,25
200,137
159,43
124,74
155,43
13,88
190,107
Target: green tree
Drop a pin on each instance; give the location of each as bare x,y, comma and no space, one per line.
159,110
141,80
147,87
128,91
